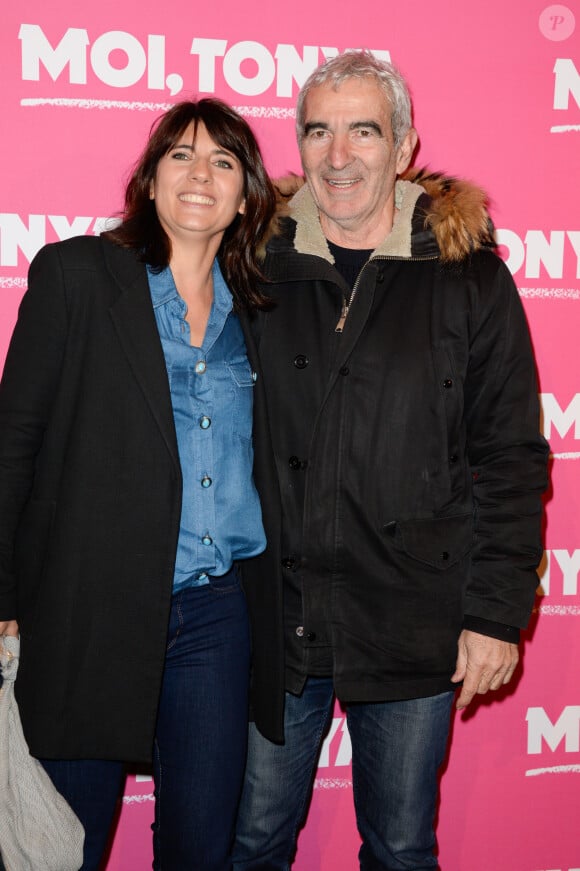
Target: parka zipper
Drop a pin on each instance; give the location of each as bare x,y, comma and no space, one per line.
346,304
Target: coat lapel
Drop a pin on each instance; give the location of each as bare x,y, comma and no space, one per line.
134,321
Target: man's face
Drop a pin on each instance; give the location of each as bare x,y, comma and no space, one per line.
350,160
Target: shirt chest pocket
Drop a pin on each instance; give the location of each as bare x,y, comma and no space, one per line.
241,378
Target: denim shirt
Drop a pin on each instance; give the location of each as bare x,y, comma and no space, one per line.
212,396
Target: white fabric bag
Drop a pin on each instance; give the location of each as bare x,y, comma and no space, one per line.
38,829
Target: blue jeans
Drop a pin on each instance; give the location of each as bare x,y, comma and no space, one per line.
397,747
92,787
200,740
202,726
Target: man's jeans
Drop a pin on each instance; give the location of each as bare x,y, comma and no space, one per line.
200,741
398,748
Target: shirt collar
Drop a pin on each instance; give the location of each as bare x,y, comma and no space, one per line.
163,289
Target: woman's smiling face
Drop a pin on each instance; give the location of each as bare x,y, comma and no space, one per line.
198,188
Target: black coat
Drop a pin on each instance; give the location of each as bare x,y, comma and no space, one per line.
89,503
413,441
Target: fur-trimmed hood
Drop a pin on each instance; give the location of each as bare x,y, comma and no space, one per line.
450,212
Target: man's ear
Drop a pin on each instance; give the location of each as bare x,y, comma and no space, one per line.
405,151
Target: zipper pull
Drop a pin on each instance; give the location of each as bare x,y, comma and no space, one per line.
342,319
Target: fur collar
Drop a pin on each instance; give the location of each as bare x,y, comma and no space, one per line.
456,213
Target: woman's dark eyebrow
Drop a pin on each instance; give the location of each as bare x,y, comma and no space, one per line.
217,150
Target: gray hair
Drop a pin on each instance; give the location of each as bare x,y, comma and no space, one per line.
359,65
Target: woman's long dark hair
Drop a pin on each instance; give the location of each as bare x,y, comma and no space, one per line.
140,228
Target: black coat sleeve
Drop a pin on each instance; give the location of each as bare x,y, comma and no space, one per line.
29,383
507,453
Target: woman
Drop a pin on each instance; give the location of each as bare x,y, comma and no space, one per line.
126,495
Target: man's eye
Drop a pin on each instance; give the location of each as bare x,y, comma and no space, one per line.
318,134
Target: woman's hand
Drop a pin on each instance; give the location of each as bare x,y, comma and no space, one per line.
9,627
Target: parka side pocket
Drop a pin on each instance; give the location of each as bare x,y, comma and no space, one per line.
438,542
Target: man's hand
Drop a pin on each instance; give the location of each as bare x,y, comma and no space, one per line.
8,627
483,664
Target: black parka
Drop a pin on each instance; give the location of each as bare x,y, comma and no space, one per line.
409,464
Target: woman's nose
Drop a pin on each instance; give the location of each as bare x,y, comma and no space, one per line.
200,169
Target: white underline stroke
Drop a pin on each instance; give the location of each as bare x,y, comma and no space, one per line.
279,113
565,128
558,610
332,783
13,282
549,292
555,769
568,455
138,799
70,103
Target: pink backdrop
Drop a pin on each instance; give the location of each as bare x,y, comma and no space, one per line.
497,93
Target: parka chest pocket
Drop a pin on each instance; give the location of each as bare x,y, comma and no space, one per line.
438,542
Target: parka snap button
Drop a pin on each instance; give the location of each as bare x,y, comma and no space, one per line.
294,463
448,383
311,636
289,563
344,370
444,555
380,277
300,631
453,458
301,361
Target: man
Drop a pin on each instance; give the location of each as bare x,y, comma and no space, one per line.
404,507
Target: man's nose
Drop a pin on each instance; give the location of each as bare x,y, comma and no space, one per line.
339,153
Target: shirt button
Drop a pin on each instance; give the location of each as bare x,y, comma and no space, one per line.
206,482
205,422
200,367
301,361
447,383
207,539
453,458
202,576
254,376
300,631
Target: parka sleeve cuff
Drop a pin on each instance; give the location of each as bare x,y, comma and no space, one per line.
492,629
